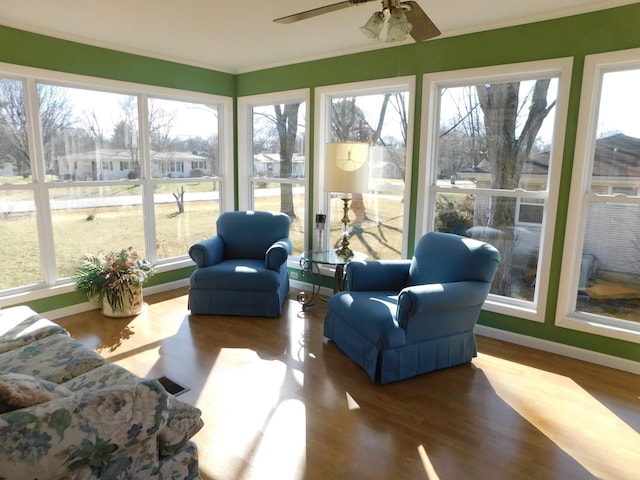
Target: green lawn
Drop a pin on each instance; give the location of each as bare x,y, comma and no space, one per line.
90,230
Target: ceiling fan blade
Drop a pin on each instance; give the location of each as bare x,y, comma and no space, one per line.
423,27
314,12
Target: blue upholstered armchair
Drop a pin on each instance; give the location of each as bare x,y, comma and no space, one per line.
401,318
243,269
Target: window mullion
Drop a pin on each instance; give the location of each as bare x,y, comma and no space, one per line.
148,206
41,192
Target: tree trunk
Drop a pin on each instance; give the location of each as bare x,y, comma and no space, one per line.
179,196
287,125
507,153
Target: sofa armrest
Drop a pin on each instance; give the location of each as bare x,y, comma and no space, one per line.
207,252
277,254
109,432
183,422
440,308
377,275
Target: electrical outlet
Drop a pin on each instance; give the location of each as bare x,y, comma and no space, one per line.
293,275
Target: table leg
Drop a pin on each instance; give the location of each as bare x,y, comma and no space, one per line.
308,299
338,279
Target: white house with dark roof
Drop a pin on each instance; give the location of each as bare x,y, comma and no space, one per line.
114,164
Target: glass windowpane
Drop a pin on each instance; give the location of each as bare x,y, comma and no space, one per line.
376,218
19,240
183,139
185,213
92,219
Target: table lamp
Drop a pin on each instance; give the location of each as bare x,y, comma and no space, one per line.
346,171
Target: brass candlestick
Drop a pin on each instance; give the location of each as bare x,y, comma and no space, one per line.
344,251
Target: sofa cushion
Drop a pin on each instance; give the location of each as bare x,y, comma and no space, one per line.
19,391
104,376
21,325
57,358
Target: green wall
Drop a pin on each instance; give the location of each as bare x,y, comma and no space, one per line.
577,36
31,50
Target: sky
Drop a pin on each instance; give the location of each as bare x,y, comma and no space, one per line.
620,103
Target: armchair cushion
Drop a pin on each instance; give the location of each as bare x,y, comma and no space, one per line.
249,234
439,260
376,275
239,275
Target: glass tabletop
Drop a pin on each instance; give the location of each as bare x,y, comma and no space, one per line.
329,257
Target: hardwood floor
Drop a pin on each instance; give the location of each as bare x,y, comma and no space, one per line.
280,403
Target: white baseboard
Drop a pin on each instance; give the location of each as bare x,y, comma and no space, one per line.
86,306
307,287
560,349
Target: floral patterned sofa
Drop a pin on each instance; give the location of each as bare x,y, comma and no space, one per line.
66,413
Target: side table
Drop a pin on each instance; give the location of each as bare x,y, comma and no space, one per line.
310,262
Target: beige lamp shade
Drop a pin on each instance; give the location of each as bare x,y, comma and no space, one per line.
346,167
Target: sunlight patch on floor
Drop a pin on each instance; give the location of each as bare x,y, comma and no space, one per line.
351,402
281,453
563,412
429,471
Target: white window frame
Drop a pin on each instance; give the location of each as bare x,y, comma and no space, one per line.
245,149
595,66
30,77
322,128
427,188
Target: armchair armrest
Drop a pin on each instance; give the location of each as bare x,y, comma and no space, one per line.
207,252
86,433
377,275
277,254
440,308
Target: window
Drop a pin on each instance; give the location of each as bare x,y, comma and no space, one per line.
87,177
273,157
380,114
492,169
600,281
185,133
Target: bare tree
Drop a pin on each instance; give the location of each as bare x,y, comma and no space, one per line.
508,147
284,124
287,126
56,116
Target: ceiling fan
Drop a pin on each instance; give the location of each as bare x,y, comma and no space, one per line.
406,18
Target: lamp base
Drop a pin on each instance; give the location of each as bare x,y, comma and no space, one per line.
344,251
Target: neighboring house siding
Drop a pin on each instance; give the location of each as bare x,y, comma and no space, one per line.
617,159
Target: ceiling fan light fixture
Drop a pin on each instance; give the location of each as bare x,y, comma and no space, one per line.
399,27
374,25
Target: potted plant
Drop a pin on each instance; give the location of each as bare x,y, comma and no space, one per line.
114,281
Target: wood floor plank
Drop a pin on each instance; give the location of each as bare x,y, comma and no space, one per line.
280,402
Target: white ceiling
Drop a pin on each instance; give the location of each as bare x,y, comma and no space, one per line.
239,36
